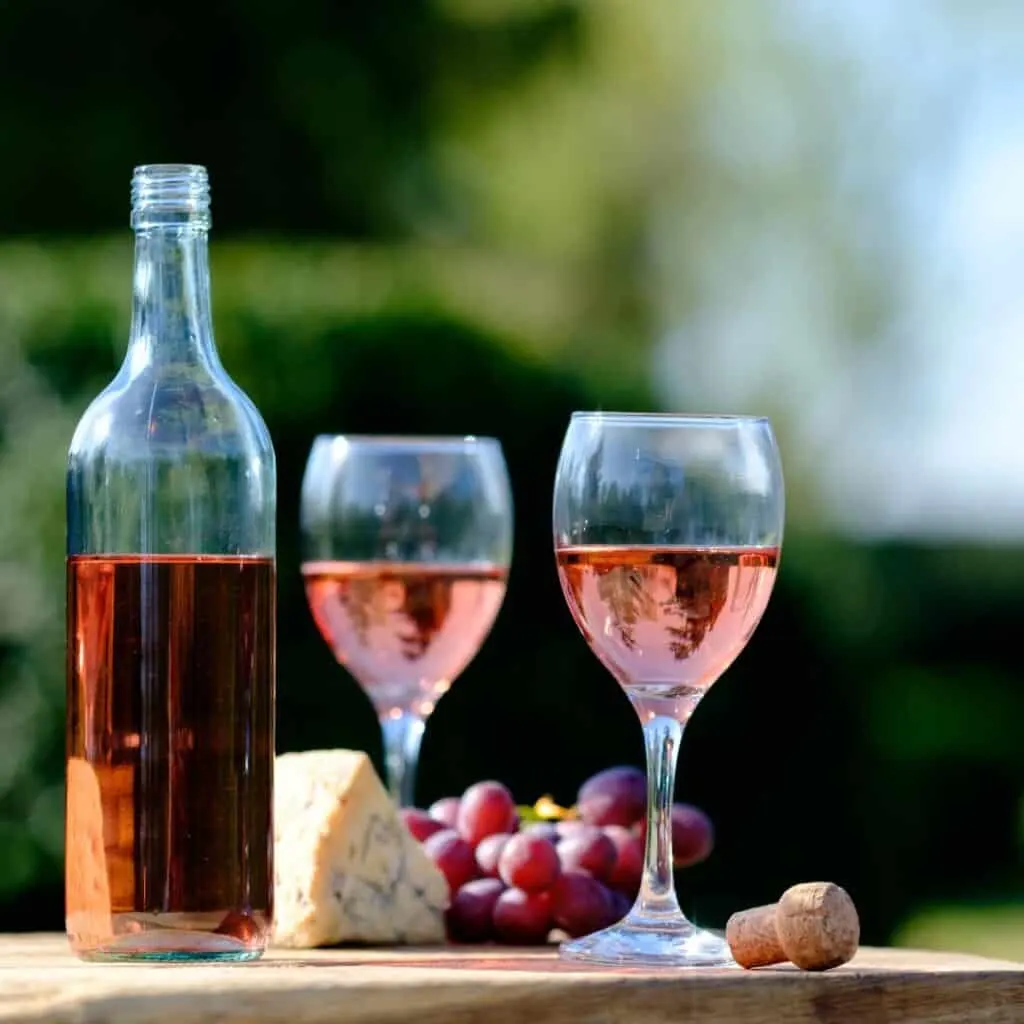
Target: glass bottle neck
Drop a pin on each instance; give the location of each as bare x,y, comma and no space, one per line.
171,321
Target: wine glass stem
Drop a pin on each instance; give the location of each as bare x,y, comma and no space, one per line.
657,897
402,736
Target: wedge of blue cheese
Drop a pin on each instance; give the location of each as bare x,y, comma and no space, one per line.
346,869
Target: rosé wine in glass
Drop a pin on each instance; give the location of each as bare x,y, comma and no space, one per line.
406,549
404,631
668,532
666,621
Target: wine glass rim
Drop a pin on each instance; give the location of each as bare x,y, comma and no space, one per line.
411,441
667,418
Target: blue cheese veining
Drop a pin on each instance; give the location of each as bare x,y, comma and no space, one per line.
346,869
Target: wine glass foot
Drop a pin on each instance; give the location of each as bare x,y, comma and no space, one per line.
636,943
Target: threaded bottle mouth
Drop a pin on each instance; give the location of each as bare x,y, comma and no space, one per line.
169,195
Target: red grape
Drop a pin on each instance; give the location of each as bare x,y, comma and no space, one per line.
529,862
580,904
445,810
590,850
489,851
621,906
470,916
523,918
547,829
629,860
692,835
419,823
453,856
569,827
485,809
616,796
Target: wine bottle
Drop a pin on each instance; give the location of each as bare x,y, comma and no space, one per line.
171,623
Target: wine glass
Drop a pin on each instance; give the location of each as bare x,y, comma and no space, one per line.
668,530
406,550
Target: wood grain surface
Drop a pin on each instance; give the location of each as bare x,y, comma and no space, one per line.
41,983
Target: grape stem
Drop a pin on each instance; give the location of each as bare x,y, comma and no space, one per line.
402,735
657,899
547,810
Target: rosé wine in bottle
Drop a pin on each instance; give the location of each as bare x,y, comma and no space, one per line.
404,631
175,774
666,621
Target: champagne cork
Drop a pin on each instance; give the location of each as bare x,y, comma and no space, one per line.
814,926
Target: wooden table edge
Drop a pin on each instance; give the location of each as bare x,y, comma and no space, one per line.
42,983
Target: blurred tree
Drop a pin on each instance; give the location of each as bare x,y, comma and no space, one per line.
313,117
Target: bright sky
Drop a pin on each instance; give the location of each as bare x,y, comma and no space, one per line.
921,430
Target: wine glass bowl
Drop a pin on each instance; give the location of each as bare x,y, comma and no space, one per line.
668,530
406,549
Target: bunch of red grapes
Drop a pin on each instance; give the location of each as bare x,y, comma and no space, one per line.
516,881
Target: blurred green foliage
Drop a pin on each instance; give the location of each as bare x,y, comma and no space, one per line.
869,734
342,101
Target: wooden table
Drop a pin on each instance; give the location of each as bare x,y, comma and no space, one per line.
40,983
